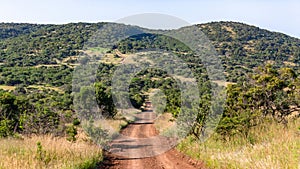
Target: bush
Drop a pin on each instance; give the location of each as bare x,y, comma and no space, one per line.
71,133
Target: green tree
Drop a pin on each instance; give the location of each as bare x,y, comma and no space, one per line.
268,93
105,100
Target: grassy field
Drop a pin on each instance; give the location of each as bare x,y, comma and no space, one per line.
53,153
269,146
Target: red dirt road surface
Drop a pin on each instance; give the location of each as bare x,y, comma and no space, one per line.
132,151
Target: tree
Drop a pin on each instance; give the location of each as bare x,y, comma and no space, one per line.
105,100
274,92
268,93
9,113
12,112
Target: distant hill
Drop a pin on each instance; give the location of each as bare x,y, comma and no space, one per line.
241,47
9,30
244,47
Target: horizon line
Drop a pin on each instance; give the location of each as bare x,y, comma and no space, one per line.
107,21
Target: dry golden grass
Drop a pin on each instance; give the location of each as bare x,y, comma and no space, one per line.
223,83
46,87
58,153
111,59
11,88
184,79
164,122
8,88
272,62
290,64
230,29
113,126
273,146
50,65
69,58
120,121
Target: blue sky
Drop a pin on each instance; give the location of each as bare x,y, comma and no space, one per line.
282,16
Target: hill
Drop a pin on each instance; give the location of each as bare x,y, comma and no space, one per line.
241,47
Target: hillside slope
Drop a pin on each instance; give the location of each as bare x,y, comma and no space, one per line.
241,47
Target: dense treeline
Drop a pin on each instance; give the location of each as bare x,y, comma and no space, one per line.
32,111
54,76
46,45
10,30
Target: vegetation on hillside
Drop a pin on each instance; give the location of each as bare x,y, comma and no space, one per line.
243,47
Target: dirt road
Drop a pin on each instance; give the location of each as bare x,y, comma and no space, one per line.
140,147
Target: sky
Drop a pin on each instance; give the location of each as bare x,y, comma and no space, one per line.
275,15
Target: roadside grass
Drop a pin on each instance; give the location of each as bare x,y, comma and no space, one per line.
269,145
113,126
120,121
164,122
54,153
